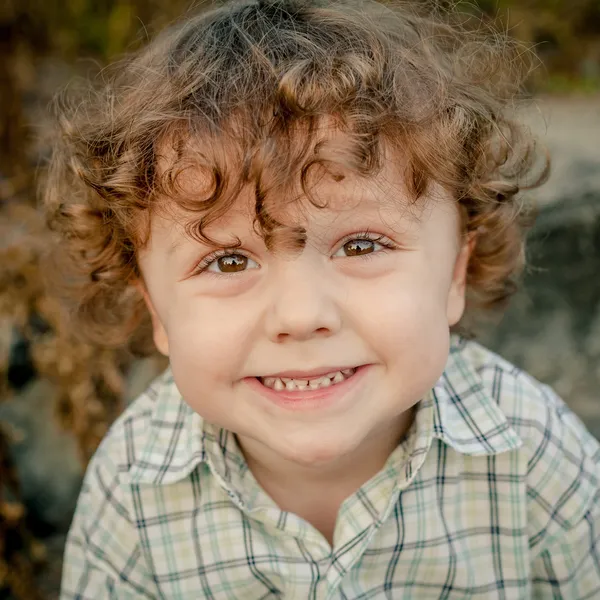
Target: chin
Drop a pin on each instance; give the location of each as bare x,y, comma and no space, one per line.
310,453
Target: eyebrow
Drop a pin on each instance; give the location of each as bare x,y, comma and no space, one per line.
176,244
371,205
173,247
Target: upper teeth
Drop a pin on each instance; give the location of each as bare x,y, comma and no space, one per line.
288,384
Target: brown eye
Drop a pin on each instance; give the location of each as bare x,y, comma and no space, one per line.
232,263
358,247
226,263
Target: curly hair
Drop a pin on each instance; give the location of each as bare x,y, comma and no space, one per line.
240,92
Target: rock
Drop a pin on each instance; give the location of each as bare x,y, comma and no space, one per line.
20,366
552,327
46,457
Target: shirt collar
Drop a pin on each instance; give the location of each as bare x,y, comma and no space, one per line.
174,442
179,440
465,417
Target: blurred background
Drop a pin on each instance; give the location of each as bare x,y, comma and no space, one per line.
58,396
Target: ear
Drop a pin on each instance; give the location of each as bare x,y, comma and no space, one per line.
159,334
457,293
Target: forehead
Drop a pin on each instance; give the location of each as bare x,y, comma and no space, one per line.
333,194
331,201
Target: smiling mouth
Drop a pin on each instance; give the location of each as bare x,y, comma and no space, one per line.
300,384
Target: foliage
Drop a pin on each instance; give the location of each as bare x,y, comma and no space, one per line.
565,34
88,381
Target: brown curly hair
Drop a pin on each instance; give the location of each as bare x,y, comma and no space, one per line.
240,92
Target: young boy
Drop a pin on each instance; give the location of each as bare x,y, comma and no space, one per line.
303,197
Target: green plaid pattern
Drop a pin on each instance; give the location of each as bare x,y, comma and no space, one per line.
493,494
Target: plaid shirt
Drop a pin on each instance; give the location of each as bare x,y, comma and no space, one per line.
493,494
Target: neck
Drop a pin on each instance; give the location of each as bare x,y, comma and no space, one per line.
301,489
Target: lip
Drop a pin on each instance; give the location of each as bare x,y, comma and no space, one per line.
307,374
306,400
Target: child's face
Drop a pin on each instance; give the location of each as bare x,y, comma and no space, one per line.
318,309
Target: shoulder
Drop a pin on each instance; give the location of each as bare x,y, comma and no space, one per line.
102,548
158,439
106,482
563,458
533,409
108,470
122,445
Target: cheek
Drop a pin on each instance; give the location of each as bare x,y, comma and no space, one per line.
207,338
405,306
205,357
415,329
407,327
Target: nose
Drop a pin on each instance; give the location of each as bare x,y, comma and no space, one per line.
303,304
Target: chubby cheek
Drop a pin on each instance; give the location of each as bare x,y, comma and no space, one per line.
410,334
206,349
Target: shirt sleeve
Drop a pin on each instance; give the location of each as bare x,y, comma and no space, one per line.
563,506
102,556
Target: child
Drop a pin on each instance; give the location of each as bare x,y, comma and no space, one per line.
304,196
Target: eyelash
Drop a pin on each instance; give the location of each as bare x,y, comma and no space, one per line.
386,243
